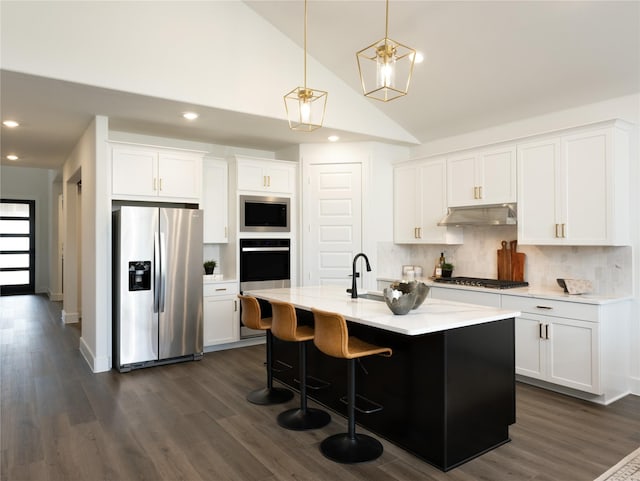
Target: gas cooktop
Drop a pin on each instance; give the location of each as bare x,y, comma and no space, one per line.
479,282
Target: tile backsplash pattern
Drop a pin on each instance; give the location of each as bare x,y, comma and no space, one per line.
608,268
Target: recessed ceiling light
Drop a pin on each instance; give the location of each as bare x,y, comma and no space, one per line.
12,157
10,123
190,115
333,138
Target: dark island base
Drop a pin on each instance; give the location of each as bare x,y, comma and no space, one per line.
446,397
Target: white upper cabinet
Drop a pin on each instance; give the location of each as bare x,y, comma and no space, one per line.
482,176
573,188
155,174
266,176
215,201
419,202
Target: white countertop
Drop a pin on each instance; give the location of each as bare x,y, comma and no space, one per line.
433,316
558,295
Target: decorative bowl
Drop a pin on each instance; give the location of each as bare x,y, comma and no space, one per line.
399,302
421,289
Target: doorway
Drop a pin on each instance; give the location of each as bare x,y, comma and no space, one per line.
17,246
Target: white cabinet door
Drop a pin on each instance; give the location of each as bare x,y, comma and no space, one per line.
462,188
587,171
266,176
215,201
220,313
573,354
179,175
134,171
538,198
497,175
530,352
407,197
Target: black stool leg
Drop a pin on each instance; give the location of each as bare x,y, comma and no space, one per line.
269,394
303,418
350,448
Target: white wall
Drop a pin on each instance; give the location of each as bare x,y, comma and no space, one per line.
32,184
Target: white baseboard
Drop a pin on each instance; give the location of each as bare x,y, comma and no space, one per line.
70,317
97,364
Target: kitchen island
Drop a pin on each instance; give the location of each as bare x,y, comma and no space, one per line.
448,392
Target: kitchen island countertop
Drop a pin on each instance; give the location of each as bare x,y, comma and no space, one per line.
432,316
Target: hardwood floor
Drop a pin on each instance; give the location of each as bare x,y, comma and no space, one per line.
191,421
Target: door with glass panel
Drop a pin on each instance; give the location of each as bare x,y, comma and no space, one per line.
17,246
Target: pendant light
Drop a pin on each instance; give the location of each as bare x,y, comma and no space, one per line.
386,67
305,107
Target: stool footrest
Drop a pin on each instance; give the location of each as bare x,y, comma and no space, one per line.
315,384
285,366
364,405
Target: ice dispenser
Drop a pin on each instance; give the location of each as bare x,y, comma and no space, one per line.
140,276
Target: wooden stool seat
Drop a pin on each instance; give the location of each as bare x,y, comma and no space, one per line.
285,327
331,336
251,317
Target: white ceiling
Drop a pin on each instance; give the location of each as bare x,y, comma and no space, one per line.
486,63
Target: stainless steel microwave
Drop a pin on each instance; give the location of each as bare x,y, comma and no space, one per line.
264,214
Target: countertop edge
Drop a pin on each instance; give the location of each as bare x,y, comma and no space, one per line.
525,292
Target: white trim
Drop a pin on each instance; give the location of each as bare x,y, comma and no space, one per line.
598,399
634,385
70,317
101,364
55,296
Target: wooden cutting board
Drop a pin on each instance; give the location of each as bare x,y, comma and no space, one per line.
517,263
504,263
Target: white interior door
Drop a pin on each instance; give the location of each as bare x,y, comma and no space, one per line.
333,231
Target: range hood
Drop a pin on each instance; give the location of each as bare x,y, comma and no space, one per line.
498,214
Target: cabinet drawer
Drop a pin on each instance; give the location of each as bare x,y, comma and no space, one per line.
220,289
549,307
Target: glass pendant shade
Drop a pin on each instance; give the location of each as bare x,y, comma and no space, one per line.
385,69
305,108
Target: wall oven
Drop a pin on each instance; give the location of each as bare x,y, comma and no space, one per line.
264,264
264,214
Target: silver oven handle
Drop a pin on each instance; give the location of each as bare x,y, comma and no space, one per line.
265,249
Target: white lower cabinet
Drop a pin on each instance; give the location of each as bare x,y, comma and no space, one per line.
558,350
577,348
220,313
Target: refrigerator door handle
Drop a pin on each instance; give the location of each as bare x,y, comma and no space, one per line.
163,272
156,272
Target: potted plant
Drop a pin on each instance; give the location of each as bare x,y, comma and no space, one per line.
209,267
447,269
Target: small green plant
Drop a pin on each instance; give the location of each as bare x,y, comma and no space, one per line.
209,266
447,267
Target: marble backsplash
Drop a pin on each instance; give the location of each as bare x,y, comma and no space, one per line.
608,268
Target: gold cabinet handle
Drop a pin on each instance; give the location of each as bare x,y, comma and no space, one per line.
419,232
557,231
479,192
269,178
475,192
563,231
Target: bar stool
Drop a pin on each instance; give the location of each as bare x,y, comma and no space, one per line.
285,327
251,317
332,338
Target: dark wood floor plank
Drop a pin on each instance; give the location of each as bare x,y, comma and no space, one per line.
191,421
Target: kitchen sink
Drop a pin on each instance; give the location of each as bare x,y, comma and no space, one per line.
373,296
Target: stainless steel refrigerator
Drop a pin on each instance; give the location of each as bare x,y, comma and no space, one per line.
157,286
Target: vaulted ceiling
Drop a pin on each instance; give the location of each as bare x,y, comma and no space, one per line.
486,63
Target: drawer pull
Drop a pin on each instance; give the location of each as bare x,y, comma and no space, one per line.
544,307
221,289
